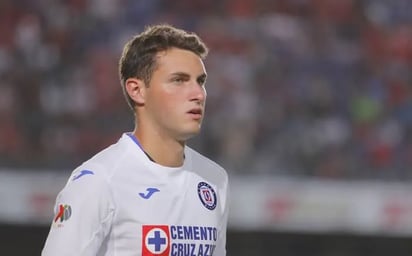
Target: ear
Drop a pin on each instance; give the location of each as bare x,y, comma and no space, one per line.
136,89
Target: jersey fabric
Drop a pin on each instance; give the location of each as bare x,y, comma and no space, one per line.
120,203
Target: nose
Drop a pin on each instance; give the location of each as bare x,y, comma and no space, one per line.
198,92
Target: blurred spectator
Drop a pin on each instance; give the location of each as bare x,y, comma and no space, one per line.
312,88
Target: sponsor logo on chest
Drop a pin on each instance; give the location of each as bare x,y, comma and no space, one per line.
178,240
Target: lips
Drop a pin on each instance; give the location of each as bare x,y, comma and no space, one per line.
196,113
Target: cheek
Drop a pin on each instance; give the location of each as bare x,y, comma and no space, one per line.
165,104
167,101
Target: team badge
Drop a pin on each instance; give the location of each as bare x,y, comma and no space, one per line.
207,195
155,240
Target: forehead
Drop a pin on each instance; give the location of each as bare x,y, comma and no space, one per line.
179,60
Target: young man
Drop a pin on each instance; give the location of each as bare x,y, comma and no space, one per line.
149,194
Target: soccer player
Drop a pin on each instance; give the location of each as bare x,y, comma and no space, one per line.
149,193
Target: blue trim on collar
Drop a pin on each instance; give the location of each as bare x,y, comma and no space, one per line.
131,135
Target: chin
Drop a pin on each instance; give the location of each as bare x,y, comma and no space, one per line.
188,134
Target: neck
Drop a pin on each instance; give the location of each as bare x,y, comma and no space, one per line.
164,151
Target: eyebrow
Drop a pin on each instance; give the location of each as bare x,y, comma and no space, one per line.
182,74
202,77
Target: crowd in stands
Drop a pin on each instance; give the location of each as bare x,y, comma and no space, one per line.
300,88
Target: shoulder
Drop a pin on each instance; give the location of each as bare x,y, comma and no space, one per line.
105,163
98,171
205,166
198,158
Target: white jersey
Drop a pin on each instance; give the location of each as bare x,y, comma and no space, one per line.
120,203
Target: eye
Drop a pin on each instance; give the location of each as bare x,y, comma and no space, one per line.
178,80
201,80
201,83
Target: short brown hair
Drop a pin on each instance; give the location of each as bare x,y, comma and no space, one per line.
139,54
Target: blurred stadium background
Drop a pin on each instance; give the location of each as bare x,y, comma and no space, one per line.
309,109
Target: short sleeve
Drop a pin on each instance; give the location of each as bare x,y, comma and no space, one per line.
84,211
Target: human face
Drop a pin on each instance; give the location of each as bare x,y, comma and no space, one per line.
175,98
